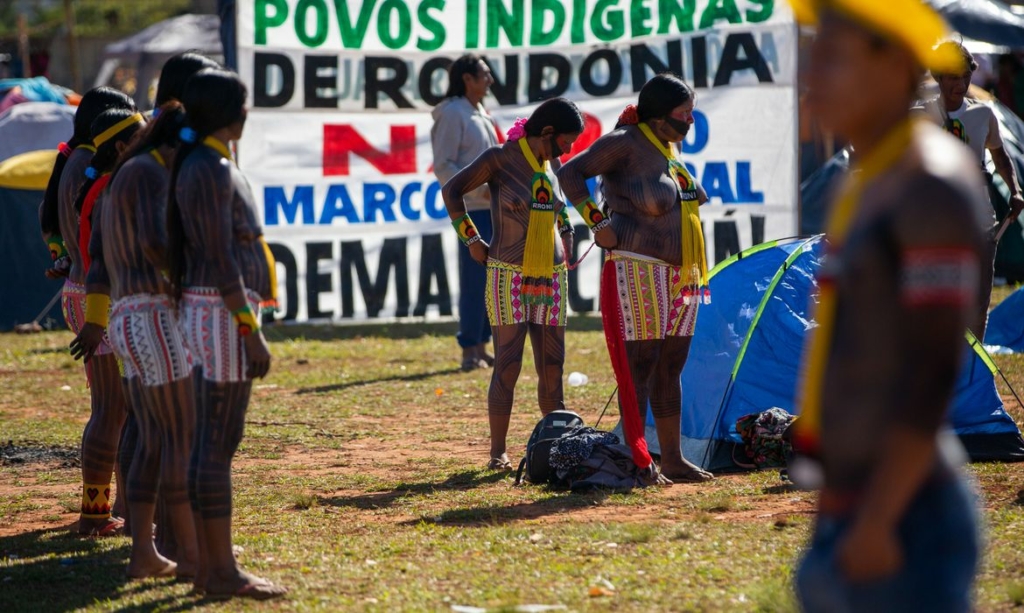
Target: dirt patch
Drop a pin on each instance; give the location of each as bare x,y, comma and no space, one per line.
27,453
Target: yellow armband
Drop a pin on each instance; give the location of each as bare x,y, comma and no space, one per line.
97,309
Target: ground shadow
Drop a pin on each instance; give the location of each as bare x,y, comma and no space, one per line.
559,502
340,332
465,480
55,570
337,387
782,488
276,332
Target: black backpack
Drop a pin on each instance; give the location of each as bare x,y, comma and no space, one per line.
537,461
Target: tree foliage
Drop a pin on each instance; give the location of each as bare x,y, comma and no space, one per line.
92,17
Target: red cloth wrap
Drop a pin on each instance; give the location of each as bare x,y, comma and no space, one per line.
85,219
611,316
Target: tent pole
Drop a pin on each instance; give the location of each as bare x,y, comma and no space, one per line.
76,73
23,46
606,405
1007,382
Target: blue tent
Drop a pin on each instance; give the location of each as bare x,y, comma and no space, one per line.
746,355
1004,323
24,290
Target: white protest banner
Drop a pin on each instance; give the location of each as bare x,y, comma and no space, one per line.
337,145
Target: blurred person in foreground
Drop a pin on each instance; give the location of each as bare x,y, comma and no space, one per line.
463,130
975,124
897,528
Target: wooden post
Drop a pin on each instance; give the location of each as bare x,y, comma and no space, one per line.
76,73
23,48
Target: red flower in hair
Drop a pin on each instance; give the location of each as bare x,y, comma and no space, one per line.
629,116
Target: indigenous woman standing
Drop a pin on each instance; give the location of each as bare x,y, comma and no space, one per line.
59,220
128,248
221,271
656,275
526,273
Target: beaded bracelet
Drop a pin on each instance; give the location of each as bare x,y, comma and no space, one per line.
56,245
246,320
564,225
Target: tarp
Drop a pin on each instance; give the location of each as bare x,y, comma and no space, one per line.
28,171
988,21
36,89
171,36
31,126
746,355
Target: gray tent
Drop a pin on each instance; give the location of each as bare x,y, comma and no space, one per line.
31,126
138,58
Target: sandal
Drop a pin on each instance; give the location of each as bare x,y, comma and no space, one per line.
499,464
111,527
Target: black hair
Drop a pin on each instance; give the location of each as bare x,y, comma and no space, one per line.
967,58
106,154
660,95
94,102
561,114
468,64
159,132
177,71
213,99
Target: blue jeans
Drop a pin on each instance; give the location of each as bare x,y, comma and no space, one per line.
226,10
474,328
940,540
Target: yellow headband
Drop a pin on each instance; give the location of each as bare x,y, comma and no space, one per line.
910,23
115,129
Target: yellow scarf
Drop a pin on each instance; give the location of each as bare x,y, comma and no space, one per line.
694,267
222,149
539,255
817,347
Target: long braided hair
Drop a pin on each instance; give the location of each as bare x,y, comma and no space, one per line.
93,103
107,152
213,99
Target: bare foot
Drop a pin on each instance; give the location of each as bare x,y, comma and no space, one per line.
481,352
199,580
652,475
686,473
156,567
243,585
187,571
109,526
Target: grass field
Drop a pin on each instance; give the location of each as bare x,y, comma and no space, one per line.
360,486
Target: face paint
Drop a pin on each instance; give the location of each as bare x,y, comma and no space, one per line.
679,126
556,149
